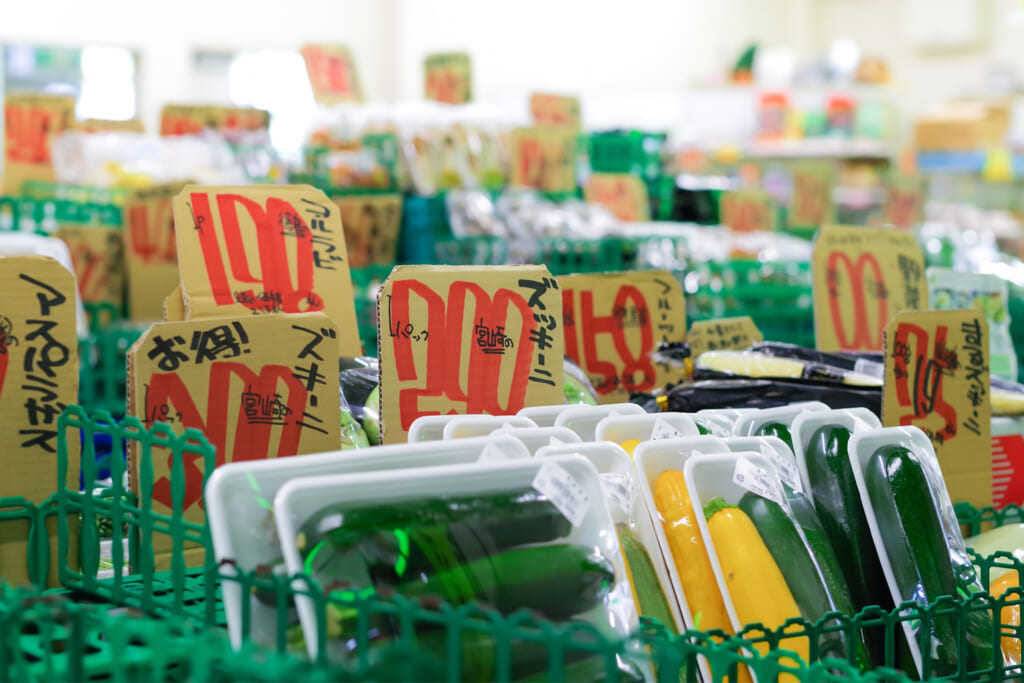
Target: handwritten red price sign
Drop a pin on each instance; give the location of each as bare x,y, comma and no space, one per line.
151,249
38,378
811,205
863,277
544,158
189,119
937,379
623,194
559,111
264,249
332,74
904,203
474,340
614,321
97,252
257,387
747,211
371,227
448,78
31,122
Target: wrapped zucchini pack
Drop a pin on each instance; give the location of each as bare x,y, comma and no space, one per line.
531,535
921,549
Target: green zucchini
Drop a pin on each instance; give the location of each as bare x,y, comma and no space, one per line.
911,528
777,429
811,571
557,581
646,586
702,426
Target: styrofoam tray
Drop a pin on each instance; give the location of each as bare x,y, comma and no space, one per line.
721,420
776,450
239,497
806,424
545,416
466,426
428,428
535,438
620,428
584,419
747,425
299,499
610,459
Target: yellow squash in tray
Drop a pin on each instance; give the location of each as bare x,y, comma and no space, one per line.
1010,616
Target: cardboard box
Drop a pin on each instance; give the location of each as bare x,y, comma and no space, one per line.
962,127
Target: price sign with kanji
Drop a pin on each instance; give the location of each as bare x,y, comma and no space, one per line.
613,323
623,194
937,379
151,250
371,227
904,202
747,211
32,121
811,203
723,334
38,379
189,119
862,278
559,111
448,78
544,158
257,387
467,340
264,249
332,74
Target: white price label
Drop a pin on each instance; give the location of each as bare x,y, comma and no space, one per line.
620,491
492,453
871,368
756,480
663,430
562,490
788,471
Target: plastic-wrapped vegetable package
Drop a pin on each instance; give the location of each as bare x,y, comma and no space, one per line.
359,380
529,535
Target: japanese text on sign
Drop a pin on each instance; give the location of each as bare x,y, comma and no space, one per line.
332,74
747,211
545,159
723,334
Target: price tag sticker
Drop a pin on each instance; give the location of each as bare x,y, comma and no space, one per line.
788,472
663,430
755,479
619,490
562,490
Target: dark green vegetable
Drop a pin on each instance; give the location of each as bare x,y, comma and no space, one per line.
909,521
646,586
837,502
779,430
811,571
702,427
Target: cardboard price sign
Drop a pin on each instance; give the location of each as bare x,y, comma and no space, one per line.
112,126
544,158
189,119
811,205
747,211
151,249
448,78
332,74
904,202
38,379
467,339
174,306
937,379
264,249
560,111
97,253
257,387
31,122
371,227
723,334
623,194
613,321
863,277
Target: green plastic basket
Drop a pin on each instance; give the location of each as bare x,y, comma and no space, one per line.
365,283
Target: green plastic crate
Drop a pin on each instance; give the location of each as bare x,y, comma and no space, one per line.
635,152
365,283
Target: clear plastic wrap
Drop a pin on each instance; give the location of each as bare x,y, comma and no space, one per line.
359,380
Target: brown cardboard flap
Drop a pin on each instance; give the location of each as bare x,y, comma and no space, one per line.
174,306
937,379
98,256
151,250
371,227
38,378
258,387
862,278
264,249
623,194
555,110
614,321
468,340
544,158
723,334
32,120
811,204
332,74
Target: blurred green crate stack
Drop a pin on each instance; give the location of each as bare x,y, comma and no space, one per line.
365,283
1015,309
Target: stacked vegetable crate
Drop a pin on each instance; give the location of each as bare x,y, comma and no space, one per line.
173,631
637,153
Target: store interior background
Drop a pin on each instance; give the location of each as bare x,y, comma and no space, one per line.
655,64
